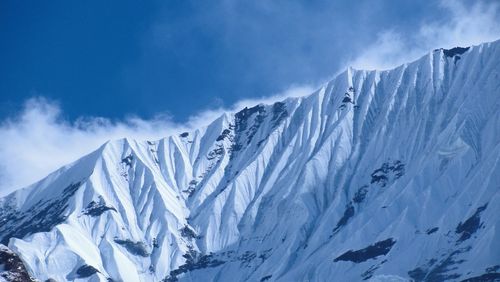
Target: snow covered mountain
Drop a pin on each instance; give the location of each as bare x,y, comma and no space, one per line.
379,175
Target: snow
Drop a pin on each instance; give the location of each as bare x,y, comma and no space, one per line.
263,190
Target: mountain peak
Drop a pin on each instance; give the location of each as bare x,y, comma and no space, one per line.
348,182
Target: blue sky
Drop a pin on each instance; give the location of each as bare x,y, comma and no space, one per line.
115,58
74,74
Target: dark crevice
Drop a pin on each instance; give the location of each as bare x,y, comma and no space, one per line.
471,225
348,213
378,249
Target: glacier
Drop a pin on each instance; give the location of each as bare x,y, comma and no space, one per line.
379,175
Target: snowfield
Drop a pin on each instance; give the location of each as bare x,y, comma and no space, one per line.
379,175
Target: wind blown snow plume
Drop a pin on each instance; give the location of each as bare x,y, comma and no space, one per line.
462,25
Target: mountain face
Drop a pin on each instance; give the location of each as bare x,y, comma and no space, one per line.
379,175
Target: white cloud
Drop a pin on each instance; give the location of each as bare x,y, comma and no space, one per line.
39,140
388,51
461,25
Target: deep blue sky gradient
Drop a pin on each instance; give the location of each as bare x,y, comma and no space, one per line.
114,58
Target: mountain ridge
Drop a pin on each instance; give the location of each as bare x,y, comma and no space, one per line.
327,185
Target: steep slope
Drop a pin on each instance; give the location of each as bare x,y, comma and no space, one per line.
378,175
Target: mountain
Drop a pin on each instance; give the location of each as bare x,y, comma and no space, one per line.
379,175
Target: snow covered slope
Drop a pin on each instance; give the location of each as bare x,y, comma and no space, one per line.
379,175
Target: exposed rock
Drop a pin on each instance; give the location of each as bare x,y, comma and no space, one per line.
86,271
471,225
135,248
439,269
455,51
348,213
432,230
378,249
97,208
486,277
389,171
12,269
360,194
265,278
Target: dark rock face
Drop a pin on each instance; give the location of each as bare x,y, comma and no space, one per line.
242,117
471,225
11,267
41,217
443,266
348,213
135,248
487,277
218,152
417,274
388,171
279,113
128,160
247,257
194,260
265,278
191,188
386,174
243,133
86,271
360,195
378,249
370,271
248,121
97,208
455,51
347,99
439,269
226,133
188,233
432,230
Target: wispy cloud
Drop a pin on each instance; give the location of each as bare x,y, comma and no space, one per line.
39,140
461,25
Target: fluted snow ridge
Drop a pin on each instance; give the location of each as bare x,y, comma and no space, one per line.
377,175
